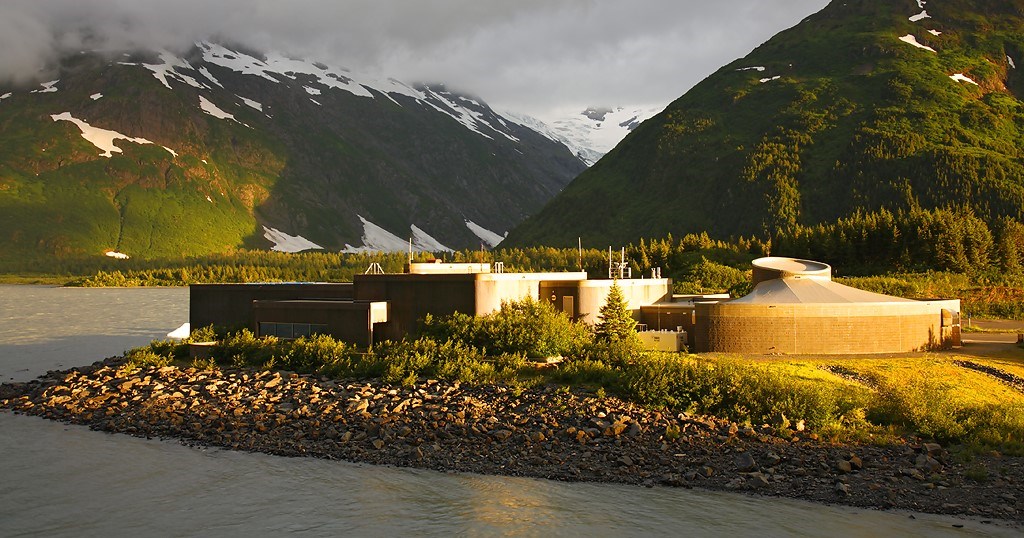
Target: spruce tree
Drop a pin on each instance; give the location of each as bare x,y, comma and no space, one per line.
614,321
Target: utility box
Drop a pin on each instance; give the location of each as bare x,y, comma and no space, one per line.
671,341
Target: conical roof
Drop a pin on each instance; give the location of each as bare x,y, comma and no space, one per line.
811,291
804,282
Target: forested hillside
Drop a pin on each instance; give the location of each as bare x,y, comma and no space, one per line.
865,110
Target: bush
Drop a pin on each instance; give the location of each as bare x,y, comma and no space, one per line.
529,327
141,357
918,404
741,392
244,349
317,354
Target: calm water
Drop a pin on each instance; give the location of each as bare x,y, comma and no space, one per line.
59,480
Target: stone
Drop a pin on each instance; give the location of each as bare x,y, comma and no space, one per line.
378,444
757,480
913,473
856,463
501,435
626,460
842,489
358,406
772,459
844,466
928,463
745,462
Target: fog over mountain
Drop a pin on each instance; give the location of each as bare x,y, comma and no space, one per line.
533,56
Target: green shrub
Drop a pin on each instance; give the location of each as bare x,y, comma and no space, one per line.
317,354
202,334
529,327
244,349
587,372
617,353
144,357
917,404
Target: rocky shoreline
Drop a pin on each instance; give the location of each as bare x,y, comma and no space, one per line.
545,433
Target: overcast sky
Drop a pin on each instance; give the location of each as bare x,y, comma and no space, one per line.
531,56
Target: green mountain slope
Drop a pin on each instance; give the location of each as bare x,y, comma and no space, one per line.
834,116
228,144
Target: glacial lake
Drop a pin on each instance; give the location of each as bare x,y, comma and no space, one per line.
62,480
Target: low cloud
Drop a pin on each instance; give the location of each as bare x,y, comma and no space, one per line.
528,55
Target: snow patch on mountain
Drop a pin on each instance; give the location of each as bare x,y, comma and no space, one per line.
588,134
47,87
5,96
250,103
910,39
960,77
920,16
96,96
101,138
490,238
470,113
171,151
769,79
214,110
1008,59
287,243
377,239
316,77
423,241
168,68
935,32
209,76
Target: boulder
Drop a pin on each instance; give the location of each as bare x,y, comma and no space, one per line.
745,462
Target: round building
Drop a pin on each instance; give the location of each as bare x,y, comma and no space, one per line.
796,308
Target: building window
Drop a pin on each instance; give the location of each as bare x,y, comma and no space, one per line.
291,331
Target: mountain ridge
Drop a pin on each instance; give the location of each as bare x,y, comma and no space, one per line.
841,113
155,154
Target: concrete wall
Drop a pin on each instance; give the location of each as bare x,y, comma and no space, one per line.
230,305
821,328
412,297
593,294
438,268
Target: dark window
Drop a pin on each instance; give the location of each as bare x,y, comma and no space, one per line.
291,331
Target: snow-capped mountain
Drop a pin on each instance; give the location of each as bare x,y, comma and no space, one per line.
161,154
590,133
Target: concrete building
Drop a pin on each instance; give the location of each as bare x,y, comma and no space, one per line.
795,307
377,307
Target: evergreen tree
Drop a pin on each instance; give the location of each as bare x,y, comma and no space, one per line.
615,322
